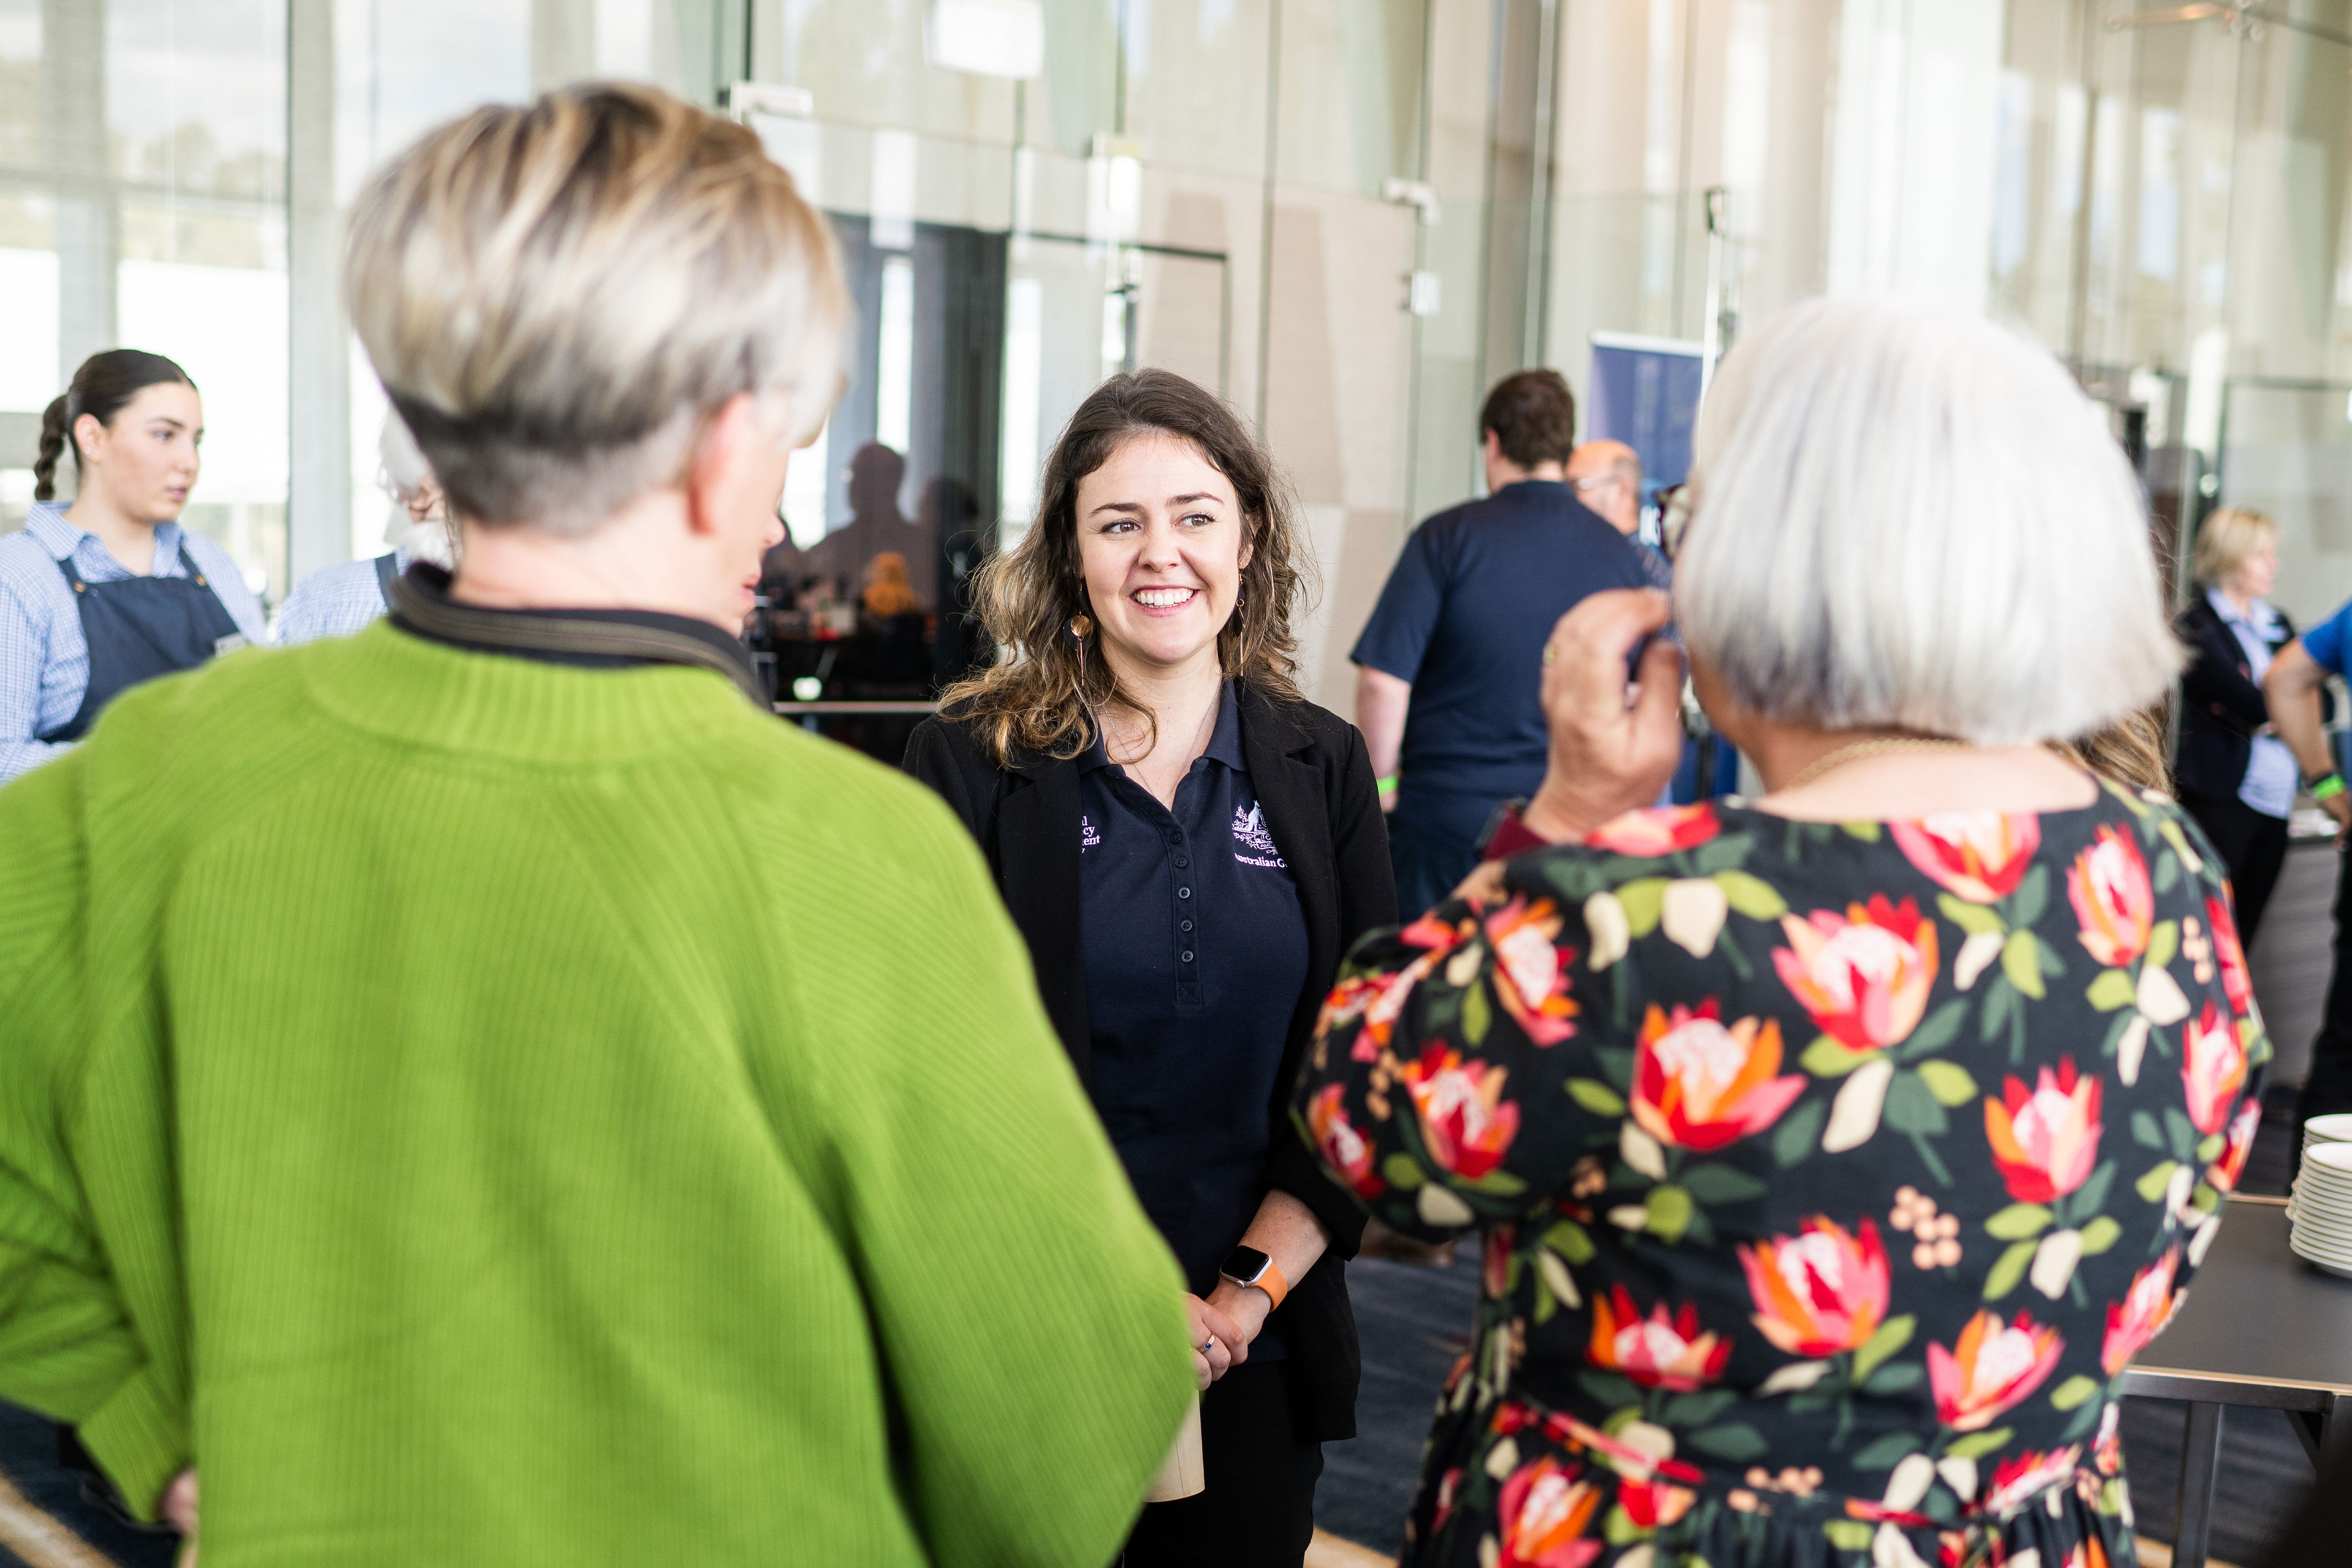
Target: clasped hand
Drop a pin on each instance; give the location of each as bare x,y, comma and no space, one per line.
1227,1321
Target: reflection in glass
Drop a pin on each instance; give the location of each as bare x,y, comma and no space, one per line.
894,369
805,487
1024,365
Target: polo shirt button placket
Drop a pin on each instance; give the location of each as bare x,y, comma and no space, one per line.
1188,973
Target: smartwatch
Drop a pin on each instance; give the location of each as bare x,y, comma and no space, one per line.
1249,1266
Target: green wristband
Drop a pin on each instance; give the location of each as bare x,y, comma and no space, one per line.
2333,785
1387,786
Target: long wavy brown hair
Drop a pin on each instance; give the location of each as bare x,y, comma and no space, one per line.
1049,688
2130,751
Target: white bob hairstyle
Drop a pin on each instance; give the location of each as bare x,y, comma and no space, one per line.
1910,518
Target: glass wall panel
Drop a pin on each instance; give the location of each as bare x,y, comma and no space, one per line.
143,204
1660,104
1195,92
2169,218
1351,93
863,62
399,70
403,69
29,352
2287,451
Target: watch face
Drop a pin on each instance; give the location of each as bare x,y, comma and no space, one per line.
1244,1265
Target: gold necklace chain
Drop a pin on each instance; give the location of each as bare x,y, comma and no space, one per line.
1861,749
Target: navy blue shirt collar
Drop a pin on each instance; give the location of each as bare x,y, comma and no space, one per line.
1225,741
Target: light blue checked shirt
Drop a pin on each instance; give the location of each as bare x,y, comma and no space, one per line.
335,601
44,661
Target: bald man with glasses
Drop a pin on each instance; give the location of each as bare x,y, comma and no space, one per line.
1607,478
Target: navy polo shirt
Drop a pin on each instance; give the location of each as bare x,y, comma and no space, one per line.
1195,955
1464,617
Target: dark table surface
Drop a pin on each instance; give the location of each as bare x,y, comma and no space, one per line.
2261,1325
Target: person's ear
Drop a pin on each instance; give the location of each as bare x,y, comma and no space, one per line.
713,469
89,437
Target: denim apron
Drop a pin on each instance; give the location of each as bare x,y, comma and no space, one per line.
141,628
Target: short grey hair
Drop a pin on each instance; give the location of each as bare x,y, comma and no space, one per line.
401,469
557,298
1911,518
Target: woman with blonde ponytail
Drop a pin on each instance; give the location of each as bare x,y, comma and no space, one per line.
106,591
1188,847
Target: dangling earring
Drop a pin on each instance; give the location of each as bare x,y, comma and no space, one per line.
1082,626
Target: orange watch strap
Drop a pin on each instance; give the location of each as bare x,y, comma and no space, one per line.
1271,1281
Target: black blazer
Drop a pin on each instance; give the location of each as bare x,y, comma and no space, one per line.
1314,779
2222,706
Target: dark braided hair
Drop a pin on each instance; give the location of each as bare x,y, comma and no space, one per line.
100,387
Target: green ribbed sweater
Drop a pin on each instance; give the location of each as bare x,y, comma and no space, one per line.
484,1111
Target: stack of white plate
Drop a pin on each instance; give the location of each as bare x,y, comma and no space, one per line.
2336,1129
2321,1206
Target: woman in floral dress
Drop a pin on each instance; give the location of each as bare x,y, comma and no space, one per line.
1834,1152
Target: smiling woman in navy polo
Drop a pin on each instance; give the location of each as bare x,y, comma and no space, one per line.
1188,847
1193,921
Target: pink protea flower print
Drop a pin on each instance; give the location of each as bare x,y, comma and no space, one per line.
2046,1142
1698,1085
1543,1515
1657,830
2113,902
1992,1367
1978,856
2213,1068
1344,1150
2141,1315
1864,975
1663,1350
1820,1291
1466,1123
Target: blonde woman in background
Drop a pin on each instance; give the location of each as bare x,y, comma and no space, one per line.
2237,778
337,601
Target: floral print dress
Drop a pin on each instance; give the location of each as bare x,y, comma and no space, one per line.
1828,1177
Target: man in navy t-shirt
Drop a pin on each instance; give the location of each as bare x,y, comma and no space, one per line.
1449,665
2291,688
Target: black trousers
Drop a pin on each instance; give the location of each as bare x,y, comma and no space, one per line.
1258,1510
2328,1086
2253,846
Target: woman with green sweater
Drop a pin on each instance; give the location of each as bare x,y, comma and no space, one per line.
484,1092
